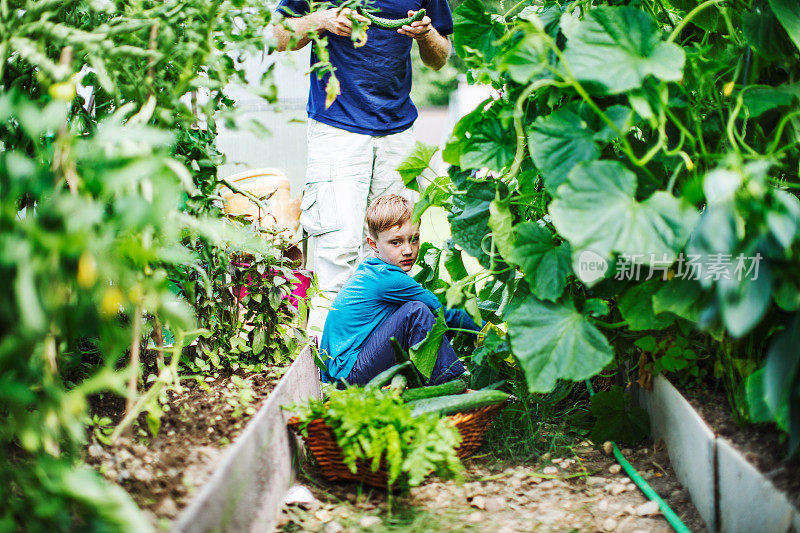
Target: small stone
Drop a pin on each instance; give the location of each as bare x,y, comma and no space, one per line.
495,504
167,508
143,475
545,456
479,502
369,521
536,480
616,489
602,505
323,515
614,469
624,480
124,455
595,481
475,517
677,493
630,509
550,470
95,451
139,449
609,524
558,460
626,451
631,486
300,495
647,509
608,447
124,474
333,527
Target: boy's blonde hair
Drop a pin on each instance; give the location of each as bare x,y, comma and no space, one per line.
386,212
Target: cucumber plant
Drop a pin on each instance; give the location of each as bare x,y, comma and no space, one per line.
611,165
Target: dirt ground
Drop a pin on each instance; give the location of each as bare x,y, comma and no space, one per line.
762,444
586,491
161,473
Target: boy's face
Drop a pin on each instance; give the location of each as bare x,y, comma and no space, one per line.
398,245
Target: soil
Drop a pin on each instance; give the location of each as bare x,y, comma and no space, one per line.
582,492
762,444
161,473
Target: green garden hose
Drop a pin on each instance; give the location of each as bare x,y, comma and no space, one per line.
672,518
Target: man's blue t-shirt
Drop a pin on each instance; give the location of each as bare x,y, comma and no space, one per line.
372,294
375,79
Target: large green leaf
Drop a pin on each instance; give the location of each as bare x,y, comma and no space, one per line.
596,210
682,297
636,306
475,31
788,15
415,163
553,341
613,49
490,145
469,220
617,420
564,138
544,261
425,353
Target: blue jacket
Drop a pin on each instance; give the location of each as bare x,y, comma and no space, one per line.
372,294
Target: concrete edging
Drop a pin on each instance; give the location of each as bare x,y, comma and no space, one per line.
246,490
730,494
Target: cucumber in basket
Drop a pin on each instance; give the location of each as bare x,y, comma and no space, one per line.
457,403
456,386
386,376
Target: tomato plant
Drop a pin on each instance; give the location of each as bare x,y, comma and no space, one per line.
106,205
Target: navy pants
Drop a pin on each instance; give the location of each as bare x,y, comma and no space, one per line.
410,324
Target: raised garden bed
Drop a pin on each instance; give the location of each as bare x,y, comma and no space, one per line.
729,492
222,456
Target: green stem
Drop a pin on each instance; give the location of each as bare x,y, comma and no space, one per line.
688,18
611,325
464,330
505,17
519,154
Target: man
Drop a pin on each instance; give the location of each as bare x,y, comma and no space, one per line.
356,144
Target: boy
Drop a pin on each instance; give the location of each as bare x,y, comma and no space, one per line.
381,300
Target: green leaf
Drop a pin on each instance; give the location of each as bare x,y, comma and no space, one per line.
758,99
469,220
636,306
596,210
616,420
453,262
744,301
545,262
596,307
788,15
417,161
475,32
681,297
564,138
425,353
553,341
612,50
438,193
646,344
527,59
490,145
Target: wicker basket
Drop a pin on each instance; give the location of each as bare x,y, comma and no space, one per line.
472,425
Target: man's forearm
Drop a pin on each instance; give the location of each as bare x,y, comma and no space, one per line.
434,49
300,28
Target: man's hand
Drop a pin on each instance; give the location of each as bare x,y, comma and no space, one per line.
337,21
417,30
